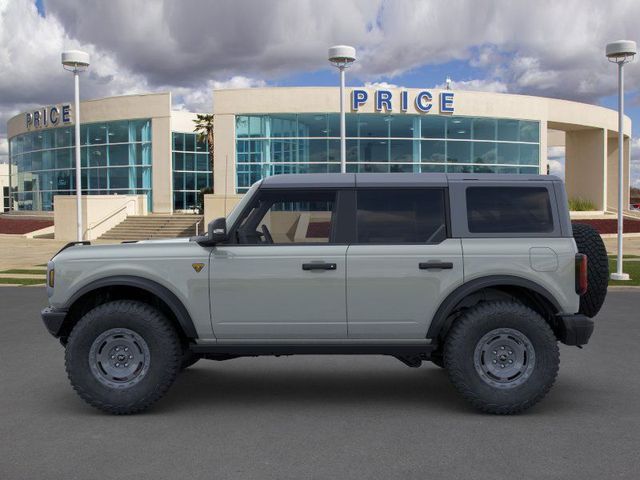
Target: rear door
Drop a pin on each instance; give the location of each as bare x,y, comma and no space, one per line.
402,264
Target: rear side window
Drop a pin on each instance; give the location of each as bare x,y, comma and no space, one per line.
395,216
509,210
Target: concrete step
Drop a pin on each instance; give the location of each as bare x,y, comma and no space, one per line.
137,227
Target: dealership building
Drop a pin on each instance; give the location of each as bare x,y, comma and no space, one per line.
137,145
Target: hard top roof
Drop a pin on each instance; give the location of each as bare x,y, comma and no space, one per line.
344,180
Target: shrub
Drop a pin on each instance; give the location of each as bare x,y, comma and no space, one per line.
578,204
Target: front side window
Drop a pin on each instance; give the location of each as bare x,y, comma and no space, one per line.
395,216
509,210
289,217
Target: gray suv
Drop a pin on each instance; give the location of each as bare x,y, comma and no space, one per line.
480,274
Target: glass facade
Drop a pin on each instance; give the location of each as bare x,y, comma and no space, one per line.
115,158
310,143
190,170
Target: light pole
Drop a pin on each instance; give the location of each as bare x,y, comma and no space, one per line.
77,61
342,56
620,52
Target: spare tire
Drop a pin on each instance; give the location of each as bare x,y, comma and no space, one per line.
590,243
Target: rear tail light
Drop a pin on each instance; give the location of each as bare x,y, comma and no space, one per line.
581,273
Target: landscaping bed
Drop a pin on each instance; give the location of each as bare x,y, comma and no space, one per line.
21,226
604,226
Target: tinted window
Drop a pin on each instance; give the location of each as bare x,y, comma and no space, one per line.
401,216
287,217
509,210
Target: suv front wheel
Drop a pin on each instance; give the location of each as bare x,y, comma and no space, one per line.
502,357
123,356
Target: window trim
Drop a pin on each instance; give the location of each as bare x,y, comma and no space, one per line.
335,218
445,193
458,198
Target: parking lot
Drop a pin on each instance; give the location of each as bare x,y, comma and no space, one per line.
320,417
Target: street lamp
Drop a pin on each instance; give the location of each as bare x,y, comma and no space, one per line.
77,61
342,56
620,52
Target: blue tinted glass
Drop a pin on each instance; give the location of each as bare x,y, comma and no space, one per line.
433,151
484,128
508,153
484,152
404,126
529,131
119,154
313,125
529,154
118,132
189,142
459,152
403,151
458,127
508,130
178,141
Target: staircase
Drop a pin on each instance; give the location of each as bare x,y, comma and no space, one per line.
137,227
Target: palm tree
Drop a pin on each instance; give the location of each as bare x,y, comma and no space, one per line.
204,129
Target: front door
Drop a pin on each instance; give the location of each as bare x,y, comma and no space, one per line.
282,276
402,264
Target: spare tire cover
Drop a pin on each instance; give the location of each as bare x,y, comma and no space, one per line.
590,243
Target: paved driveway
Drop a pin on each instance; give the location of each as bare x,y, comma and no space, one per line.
320,417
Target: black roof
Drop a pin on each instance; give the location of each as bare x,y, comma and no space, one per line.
324,180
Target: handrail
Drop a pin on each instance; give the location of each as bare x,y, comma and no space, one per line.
197,223
109,215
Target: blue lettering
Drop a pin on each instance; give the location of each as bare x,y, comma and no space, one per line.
28,120
446,102
423,101
66,114
383,97
36,119
54,115
358,98
404,100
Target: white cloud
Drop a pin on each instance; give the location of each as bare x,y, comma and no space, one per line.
556,159
380,85
477,85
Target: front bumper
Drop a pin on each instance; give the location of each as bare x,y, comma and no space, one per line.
574,329
53,319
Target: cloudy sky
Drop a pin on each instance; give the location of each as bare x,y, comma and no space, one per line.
548,48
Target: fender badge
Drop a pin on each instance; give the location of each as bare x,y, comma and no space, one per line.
197,267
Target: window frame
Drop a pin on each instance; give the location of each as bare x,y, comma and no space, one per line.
459,214
336,235
446,205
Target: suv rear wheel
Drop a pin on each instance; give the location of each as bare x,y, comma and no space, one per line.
502,357
123,356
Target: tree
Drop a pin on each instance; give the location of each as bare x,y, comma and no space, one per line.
204,129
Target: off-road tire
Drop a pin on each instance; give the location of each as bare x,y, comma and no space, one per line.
474,325
437,358
163,348
590,243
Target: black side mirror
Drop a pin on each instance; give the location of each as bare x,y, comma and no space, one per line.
217,230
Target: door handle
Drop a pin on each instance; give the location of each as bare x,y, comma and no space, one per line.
319,266
435,265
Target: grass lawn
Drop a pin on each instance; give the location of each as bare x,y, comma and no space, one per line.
26,271
613,255
632,268
22,281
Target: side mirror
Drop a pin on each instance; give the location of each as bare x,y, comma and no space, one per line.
217,230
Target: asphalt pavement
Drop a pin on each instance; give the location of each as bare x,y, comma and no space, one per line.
320,417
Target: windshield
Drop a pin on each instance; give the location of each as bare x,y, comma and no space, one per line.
233,215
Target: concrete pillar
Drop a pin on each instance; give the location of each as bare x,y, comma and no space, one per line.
586,165
612,173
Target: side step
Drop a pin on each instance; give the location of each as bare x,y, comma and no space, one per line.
421,350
